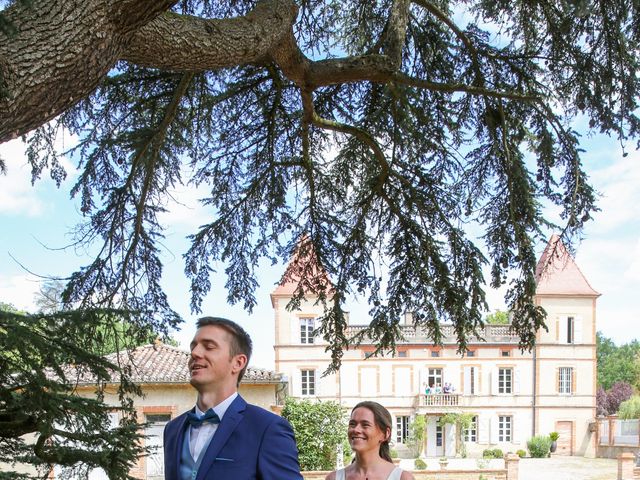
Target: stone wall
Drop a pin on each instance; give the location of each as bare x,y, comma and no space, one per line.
509,472
627,469
434,475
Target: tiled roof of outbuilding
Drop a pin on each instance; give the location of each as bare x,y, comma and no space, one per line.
160,363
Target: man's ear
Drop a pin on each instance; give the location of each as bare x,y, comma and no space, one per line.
239,362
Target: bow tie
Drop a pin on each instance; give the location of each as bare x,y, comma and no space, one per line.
209,417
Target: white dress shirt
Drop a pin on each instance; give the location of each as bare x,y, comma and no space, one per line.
200,437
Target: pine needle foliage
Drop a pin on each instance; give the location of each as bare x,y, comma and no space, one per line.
44,420
380,130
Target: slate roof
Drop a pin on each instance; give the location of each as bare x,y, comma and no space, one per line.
558,274
158,363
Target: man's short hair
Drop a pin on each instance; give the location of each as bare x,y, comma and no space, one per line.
240,340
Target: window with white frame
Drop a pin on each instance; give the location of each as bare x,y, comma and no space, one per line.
308,383
434,377
505,380
471,433
570,330
505,425
402,429
565,380
307,325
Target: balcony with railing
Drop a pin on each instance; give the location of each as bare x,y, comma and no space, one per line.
411,334
440,400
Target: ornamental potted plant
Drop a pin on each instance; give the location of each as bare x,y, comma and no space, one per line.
444,461
553,436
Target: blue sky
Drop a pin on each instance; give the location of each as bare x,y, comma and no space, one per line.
36,221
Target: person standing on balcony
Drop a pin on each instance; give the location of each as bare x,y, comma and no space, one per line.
369,433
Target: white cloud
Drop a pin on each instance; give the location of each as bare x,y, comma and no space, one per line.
618,183
632,273
185,211
17,196
19,290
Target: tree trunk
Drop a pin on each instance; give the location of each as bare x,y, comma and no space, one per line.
60,52
63,48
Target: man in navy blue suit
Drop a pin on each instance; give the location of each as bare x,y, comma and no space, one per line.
223,437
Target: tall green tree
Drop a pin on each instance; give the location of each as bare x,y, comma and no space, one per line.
498,317
43,420
320,428
617,363
378,129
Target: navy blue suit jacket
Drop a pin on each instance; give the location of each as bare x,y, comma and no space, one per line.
250,443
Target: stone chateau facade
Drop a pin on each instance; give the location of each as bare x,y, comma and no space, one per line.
512,395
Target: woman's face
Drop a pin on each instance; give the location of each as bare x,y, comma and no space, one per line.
363,433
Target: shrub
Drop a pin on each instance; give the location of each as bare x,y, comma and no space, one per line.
393,453
618,393
608,402
492,453
553,436
420,464
521,453
539,446
630,409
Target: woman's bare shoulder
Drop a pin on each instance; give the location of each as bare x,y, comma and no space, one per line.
407,476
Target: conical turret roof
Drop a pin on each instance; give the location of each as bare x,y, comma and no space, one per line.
558,274
303,264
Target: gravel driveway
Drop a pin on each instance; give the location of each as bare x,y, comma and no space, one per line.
567,468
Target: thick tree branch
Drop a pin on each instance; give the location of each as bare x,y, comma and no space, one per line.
365,137
59,54
463,88
16,427
396,32
183,43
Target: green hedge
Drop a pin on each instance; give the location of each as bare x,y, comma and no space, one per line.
492,453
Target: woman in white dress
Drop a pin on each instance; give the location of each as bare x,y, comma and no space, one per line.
369,433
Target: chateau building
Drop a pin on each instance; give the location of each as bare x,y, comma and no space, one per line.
512,394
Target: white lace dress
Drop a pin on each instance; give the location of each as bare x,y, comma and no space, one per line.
394,475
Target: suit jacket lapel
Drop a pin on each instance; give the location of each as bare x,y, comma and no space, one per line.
177,447
231,418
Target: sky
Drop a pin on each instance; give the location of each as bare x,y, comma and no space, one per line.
36,220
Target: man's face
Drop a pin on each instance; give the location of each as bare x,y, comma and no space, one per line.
211,363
